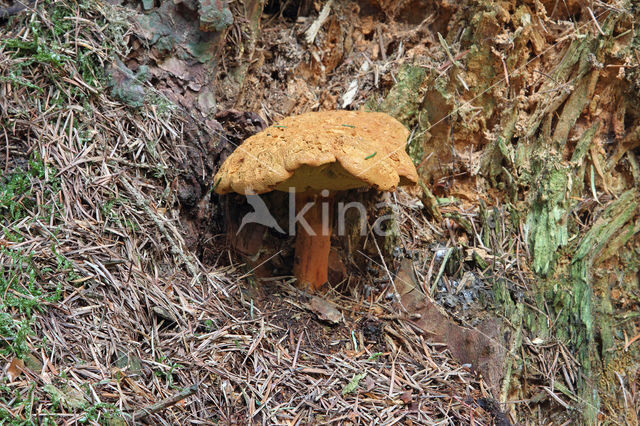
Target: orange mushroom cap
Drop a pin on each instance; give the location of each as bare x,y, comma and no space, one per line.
335,150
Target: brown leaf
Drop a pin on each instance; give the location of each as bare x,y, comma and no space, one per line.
369,384
478,347
325,310
15,368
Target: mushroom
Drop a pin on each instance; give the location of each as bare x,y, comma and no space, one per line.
314,155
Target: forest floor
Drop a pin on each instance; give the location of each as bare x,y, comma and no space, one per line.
124,295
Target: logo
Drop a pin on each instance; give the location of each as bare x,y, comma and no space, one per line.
259,215
262,216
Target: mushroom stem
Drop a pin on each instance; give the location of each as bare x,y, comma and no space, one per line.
311,262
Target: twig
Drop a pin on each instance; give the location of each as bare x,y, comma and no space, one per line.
595,21
295,357
311,33
441,270
165,403
445,46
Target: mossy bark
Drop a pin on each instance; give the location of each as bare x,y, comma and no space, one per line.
553,129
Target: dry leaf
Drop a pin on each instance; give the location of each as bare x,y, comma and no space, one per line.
325,310
369,384
14,369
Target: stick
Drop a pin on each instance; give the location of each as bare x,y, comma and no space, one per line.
311,33
165,403
595,21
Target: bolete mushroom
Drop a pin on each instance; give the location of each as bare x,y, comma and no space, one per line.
314,155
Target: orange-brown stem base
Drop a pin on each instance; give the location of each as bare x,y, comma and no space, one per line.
311,262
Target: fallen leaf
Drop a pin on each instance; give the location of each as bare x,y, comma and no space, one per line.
350,94
15,368
176,67
163,313
325,310
477,347
369,384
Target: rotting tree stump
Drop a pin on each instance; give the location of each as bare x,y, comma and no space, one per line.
544,119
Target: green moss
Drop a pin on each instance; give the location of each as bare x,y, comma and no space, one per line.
404,102
546,220
49,51
545,180
605,315
17,199
571,298
215,15
26,283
